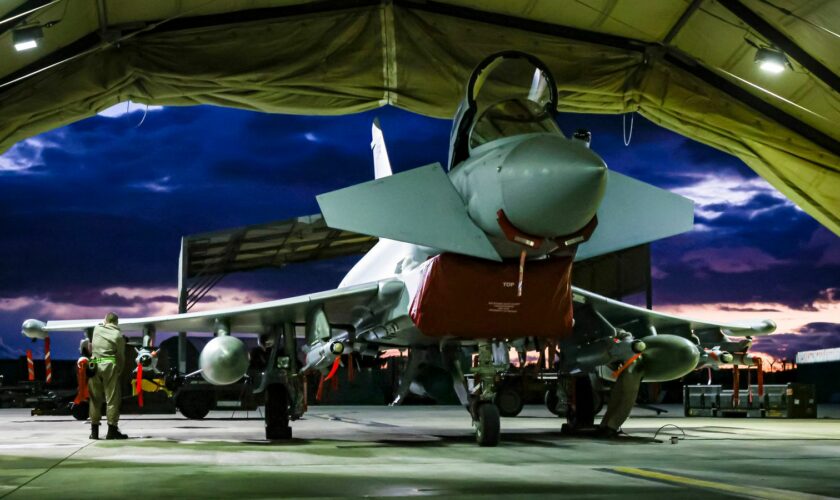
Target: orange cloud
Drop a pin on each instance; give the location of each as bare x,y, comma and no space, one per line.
787,319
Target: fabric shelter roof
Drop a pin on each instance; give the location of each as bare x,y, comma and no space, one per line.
687,65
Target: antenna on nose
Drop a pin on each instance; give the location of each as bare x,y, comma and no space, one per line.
584,135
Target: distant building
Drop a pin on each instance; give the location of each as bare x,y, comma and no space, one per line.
821,368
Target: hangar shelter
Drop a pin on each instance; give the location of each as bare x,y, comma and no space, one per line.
692,66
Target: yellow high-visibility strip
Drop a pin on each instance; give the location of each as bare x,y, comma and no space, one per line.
742,491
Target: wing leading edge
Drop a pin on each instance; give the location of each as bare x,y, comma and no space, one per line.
620,313
254,318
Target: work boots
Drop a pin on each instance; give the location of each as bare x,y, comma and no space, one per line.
114,433
94,431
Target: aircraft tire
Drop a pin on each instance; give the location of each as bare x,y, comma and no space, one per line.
487,426
509,402
552,400
195,405
582,413
277,413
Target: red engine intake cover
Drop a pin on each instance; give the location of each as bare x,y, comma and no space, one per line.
476,298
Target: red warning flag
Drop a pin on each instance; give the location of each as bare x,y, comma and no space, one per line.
139,388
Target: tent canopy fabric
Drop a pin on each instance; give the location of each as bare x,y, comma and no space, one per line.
686,65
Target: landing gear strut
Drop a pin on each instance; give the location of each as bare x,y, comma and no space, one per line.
485,413
284,393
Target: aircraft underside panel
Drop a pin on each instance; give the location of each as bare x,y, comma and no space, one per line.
474,298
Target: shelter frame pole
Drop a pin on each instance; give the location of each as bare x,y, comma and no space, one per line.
182,306
678,26
648,280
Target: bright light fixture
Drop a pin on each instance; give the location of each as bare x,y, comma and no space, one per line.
770,60
27,38
28,44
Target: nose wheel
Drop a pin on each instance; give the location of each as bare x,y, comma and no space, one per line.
487,424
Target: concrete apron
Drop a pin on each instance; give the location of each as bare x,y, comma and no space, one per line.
418,451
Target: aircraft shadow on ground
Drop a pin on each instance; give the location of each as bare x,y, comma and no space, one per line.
530,439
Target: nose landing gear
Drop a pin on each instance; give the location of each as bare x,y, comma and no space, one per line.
485,413
487,424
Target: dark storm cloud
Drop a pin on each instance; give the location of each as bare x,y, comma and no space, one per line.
812,336
103,203
654,155
94,298
9,352
115,198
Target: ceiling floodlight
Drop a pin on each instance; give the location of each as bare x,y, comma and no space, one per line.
771,60
27,38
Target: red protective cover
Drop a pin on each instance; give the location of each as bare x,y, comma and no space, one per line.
476,298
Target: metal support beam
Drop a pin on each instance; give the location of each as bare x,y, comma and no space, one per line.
182,307
22,11
781,41
649,280
102,11
678,26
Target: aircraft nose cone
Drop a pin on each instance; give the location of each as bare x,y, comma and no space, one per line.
552,186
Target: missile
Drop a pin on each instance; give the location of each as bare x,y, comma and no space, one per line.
605,351
714,358
321,355
744,359
147,358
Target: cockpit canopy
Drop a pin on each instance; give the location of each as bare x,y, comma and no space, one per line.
509,93
511,117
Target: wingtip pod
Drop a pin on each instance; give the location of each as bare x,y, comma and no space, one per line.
768,326
763,327
34,329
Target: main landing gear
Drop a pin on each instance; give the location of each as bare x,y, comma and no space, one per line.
284,388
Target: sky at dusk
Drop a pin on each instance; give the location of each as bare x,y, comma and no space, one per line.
92,214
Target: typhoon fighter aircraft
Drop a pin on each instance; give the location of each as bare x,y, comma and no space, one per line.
474,258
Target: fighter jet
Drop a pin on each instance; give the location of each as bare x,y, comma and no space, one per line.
474,257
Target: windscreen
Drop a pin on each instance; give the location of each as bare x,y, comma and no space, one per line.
511,117
512,97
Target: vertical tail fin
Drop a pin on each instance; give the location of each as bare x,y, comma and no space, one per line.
381,163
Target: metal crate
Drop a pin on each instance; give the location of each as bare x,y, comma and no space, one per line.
779,401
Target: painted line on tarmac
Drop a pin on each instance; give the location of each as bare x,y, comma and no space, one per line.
51,467
740,491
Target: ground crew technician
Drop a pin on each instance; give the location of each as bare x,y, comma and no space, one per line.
108,360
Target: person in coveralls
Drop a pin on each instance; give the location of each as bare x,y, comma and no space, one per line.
107,360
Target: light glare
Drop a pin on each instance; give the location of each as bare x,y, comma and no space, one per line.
772,67
26,45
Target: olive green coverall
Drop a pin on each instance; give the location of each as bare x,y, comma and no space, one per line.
108,355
